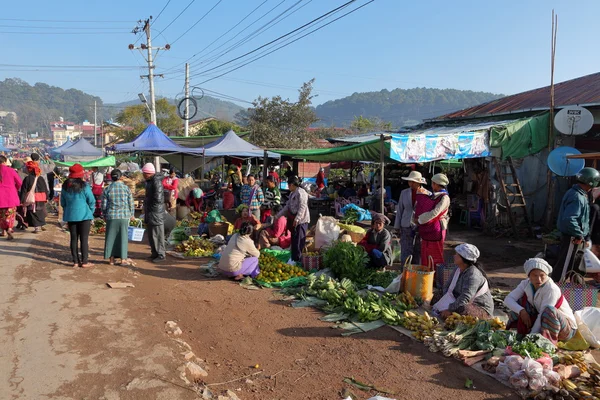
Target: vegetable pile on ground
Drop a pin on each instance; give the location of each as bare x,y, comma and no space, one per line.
274,270
347,261
343,297
179,234
480,336
455,319
98,227
196,247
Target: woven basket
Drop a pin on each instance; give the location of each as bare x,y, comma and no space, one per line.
356,236
312,262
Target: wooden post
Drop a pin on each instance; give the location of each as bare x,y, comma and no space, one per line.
551,142
382,176
265,167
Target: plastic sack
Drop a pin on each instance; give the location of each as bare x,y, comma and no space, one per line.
576,343
503,372
326,231
538,383
519,380
532,368
363,215
592,263
514,363
553,378
588,323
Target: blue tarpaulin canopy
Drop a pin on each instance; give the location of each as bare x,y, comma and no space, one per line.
153,140
4,149
55,152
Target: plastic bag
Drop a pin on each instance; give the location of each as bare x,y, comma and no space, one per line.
576,343
546,363
503,372
532,368
538,383
363,215
552,377
519,380
592,263
588,323
326,231
514,363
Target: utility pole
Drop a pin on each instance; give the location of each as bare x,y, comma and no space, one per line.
95,131
187,99
145,27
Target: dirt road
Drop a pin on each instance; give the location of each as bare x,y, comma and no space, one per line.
65,335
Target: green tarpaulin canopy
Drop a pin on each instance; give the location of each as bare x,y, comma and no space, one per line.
367,151
100,162
521,138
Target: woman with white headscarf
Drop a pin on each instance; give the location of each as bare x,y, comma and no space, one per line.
468,292
538,305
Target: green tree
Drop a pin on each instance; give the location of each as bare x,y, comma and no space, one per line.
281,123
138,118
217,127
364,125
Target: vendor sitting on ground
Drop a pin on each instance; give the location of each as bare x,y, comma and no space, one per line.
245,216
240,257
210,215
378,242
538,305
276,235
468,292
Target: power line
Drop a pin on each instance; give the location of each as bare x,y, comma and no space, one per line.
64,20
280,37
214,93
160,13
287,44
70,66
197,22
250,36
177,17
60,27
255,21
64,33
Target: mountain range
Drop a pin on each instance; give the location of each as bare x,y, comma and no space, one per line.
39,104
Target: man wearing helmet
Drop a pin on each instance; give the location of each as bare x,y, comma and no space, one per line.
574,219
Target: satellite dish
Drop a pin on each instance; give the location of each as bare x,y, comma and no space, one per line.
573,120
561,165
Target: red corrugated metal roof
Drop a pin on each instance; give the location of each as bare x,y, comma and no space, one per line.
579,91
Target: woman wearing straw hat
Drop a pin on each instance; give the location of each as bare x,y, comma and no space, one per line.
410,243
432,219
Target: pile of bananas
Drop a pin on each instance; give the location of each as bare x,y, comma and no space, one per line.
585,387
342,296
576,358
422,325
408,299
196,247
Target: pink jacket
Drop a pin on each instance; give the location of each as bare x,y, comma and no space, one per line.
9,187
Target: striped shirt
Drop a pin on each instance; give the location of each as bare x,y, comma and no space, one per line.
257,199
117,201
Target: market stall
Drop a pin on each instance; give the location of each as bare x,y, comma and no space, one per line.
81,150
56,152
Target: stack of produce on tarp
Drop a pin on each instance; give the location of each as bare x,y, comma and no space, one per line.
196,247
98,227
275,271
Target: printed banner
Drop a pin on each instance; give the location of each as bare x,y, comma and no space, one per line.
408,148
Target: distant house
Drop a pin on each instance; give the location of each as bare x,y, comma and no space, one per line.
195,126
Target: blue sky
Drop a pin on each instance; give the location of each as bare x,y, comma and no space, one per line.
500,47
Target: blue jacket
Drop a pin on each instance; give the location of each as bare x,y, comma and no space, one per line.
78,206
574,213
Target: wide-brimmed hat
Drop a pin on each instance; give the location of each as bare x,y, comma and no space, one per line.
415,176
